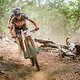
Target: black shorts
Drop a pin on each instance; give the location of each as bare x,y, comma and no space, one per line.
18,30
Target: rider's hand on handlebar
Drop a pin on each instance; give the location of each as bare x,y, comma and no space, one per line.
36,28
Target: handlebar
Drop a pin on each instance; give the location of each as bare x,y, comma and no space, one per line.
25,33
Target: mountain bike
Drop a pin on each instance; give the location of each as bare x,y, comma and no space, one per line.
30,48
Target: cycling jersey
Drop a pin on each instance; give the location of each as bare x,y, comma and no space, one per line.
19,23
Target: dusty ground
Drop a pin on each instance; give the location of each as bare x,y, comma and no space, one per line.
13,66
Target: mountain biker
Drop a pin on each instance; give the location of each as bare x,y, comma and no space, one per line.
17,23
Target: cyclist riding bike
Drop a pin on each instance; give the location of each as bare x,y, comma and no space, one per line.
18,23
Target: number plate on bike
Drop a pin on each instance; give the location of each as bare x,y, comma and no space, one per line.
26,33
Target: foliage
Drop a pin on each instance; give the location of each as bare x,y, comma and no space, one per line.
70,10
57,14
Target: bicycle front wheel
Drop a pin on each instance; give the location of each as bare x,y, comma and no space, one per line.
32,54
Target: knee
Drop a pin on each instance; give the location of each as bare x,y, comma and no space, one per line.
20,39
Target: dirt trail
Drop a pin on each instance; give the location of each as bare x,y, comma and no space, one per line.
13,66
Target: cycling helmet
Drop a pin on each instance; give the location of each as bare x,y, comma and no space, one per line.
16,11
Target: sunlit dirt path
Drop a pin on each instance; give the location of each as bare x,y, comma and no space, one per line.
13,66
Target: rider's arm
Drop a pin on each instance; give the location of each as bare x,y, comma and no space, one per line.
9,21
11,17
26,17
36,26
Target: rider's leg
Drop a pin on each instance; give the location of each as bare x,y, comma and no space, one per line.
20,39
32,42
22,47
21,44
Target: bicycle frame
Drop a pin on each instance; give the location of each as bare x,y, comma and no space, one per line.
27,36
